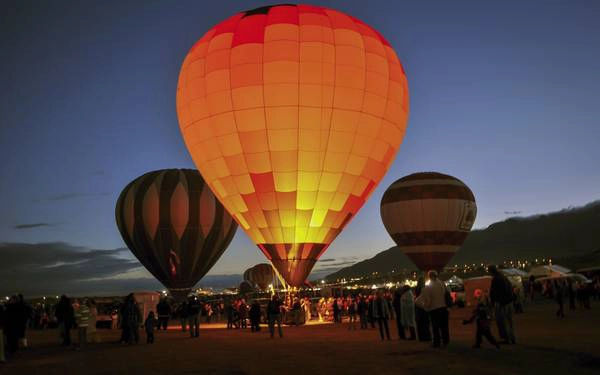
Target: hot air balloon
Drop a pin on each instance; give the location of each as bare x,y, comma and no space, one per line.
174,225
261,274
293,114
429,216
245,287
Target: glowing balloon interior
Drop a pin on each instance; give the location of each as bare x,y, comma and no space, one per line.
429,215
292,114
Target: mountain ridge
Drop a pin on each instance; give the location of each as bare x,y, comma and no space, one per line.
569,232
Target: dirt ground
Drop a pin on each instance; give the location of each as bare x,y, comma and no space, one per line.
546,345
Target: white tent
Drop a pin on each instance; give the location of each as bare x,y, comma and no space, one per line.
551,270
514,272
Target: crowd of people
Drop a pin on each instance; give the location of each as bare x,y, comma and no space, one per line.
420,313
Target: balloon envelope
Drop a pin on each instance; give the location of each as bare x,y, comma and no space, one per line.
261,274
429,215
174,225
292,114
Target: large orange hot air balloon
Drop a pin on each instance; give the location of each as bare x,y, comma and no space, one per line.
174,225
429,215
293,114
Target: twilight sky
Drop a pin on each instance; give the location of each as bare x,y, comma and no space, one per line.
504,95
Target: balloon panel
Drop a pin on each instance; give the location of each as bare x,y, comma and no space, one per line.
292,114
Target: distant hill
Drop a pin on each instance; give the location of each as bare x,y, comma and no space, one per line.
567,233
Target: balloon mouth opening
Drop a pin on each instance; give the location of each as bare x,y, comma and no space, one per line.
180,294
293,261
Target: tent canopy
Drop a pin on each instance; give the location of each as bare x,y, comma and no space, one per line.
573,276
514,272
549,270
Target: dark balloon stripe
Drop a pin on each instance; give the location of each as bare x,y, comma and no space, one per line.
419,192
427,176
177,259
430,261
454,238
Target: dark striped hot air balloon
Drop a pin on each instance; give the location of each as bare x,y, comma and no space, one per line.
261,274
429,215
174,225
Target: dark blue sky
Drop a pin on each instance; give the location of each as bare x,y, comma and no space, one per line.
504,95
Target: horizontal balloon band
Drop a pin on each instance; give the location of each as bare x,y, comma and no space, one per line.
428,176
292,251
420,192
437,181
429,249
455,238
430,261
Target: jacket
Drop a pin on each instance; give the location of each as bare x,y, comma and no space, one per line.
501,290
381,309
433,296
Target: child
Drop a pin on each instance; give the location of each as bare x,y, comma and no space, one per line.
149,324
483,320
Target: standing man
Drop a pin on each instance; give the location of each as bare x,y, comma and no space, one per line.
255,316
65,315
163,309
398,309
193,316
362,311
501,298
131,319
82,317
336,311
274,315
296,311
306,305
381,313
433,300
2,359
